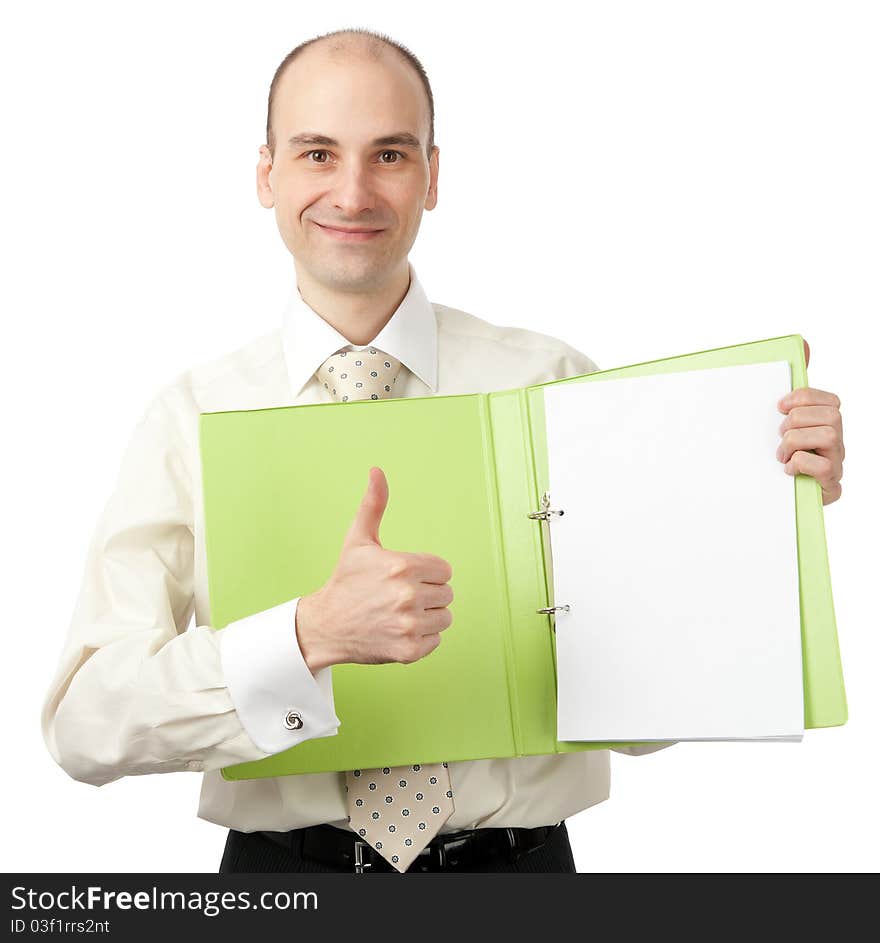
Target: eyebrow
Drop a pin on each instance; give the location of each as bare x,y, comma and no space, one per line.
308,139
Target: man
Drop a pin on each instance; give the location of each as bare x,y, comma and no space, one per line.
349,166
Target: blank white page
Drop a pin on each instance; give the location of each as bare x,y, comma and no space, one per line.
677,553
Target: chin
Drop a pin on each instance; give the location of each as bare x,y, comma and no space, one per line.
348,274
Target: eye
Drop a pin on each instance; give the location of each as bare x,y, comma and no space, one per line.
398,154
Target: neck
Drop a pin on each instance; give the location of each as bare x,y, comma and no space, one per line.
358,316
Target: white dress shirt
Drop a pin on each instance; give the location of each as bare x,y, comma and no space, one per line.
139,690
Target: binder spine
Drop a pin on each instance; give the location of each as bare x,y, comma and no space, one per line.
546,514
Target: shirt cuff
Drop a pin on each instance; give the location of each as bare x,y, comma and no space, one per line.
279,702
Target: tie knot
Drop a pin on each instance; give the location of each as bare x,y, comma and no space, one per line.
352,374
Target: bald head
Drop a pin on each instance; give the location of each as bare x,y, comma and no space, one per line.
349,45
351,42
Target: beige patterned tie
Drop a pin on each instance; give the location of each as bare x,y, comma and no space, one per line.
395,809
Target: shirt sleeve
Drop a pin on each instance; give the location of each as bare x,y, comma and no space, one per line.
275,693
644,750
574,363
134,691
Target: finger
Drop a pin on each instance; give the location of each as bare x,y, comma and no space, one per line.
832,494
435,569
806,354
434,620
434,595
807,396
823,439
800,417
368,517
431,642
819,468
425,567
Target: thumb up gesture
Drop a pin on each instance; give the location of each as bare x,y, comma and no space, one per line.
379,605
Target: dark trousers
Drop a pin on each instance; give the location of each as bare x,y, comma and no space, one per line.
248,852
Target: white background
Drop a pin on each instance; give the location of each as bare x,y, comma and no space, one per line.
646,180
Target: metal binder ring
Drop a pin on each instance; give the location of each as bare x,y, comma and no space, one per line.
544,515
550,609
546,511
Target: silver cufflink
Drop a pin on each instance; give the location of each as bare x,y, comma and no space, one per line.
293,720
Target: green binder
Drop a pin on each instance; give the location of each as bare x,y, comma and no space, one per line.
464,472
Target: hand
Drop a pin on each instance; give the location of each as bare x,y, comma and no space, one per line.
812,437
379,605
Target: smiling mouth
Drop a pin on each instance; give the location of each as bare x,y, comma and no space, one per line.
350,235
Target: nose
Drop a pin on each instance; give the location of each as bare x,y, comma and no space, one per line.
353,191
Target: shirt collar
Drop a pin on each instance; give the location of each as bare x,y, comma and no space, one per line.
410,335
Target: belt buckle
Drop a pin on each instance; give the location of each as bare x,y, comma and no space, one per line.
432,857
359,863
514,849
438,855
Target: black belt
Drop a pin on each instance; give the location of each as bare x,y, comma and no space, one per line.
451,851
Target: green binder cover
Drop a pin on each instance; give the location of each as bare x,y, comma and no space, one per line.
463,473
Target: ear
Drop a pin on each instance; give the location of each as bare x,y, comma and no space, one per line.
434,170
807,353
264,182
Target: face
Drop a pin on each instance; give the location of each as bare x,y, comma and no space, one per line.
336,174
